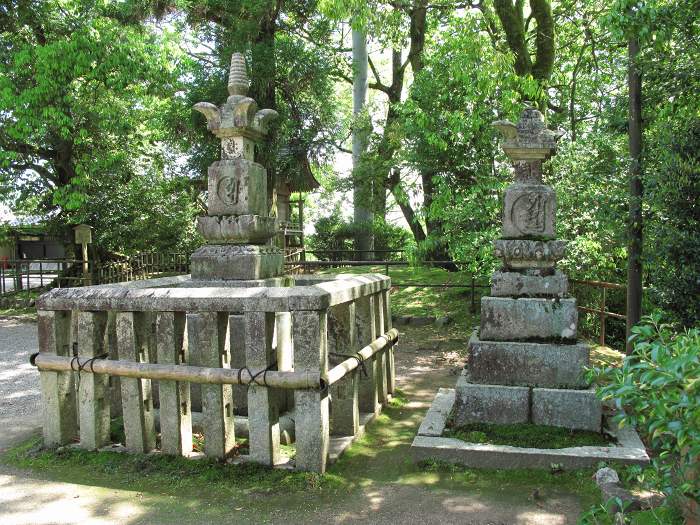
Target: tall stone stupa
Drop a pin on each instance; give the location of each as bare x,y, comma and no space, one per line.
524,363
237,227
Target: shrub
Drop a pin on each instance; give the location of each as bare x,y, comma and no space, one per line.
658,387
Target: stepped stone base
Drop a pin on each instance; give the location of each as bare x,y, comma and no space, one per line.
236,262
490,403
574,409
506,319
515,284
527,364
430,444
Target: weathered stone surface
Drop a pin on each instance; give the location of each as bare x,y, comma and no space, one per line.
629,451
506,319
311,406
237,229
93,394
263,411
516,284
522,253
236,262
490,403
528,139
529,210
477,455
527,364
573,409
436,418
175,401
606,475
237,187
58,399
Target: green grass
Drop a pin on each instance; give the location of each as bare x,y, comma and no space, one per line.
527,435
380,457
422,300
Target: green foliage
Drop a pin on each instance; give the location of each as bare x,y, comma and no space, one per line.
335,233
658,387
82,131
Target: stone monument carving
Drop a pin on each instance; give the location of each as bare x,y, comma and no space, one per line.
237,226
525,364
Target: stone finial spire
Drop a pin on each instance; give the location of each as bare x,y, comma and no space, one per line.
238,81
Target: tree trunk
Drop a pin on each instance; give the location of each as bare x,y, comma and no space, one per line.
634,246
361,182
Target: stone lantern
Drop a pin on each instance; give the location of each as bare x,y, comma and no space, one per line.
237,226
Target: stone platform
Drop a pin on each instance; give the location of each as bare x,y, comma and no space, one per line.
527,364
573,409
430,445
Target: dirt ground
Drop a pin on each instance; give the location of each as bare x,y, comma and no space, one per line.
381,483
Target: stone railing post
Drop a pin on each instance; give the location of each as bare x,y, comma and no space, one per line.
390,370
263,411
209,347
311,406
382,390
366,333
345,408
236,326
175,405
57,388
137,402
93,392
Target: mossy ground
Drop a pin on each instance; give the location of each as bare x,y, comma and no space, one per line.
527,435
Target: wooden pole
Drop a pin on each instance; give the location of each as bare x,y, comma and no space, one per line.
192,374
380,343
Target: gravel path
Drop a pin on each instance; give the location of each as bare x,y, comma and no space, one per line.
19,381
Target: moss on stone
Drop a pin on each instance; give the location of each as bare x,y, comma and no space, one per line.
527,435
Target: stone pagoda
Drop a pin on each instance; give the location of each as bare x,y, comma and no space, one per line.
237,227
524,363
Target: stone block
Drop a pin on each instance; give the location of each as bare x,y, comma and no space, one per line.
529,210
490,403
522,254
434,421
506,319
527,364
515,284
237,187
240,229
572,409
230,262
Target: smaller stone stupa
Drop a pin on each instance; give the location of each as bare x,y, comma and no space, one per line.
237,227
525,364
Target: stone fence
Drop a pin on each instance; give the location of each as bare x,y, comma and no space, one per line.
311,361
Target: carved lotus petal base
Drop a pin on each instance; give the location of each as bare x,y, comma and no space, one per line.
240,229
523,253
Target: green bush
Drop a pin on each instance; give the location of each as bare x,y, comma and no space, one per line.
658,387
335,233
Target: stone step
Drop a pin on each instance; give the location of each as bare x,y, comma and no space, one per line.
527,364
508,319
